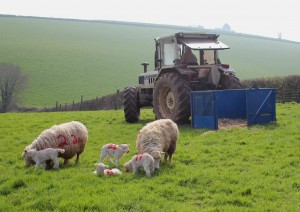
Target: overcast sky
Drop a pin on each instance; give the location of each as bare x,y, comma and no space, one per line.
258,17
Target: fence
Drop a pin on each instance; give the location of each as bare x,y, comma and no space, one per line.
287,95
109,102
115,101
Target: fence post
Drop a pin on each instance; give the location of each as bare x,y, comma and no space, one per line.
116,99
81,102
56,107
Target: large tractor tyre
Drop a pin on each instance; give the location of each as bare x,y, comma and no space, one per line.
131,106
229,81
171,98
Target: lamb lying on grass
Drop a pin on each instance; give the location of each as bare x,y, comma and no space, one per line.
103,169
42,156
158,137
142,160
113,150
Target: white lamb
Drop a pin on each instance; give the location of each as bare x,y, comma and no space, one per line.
142,160
158,137
113,150
42,156
103,169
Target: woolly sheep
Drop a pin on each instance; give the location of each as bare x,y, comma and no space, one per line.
101,168
158,137
142,160
71,136
40,157
113,150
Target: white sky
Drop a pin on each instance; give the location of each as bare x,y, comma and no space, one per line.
258,17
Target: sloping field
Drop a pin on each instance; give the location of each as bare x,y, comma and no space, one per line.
65,59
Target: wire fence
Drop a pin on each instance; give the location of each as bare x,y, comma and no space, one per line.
287,95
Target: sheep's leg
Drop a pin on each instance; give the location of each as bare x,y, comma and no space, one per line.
166,155
56,163
77,158
66,161
117,162
134,170
45,165
37,165
148,172
170,157
102,156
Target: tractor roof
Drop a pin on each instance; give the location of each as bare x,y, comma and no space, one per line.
196,40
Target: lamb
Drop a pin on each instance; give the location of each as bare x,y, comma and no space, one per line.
158,137
71,136
142,160
40,157
113,150
103,169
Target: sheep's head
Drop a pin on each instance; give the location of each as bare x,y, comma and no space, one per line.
27,155
128,167
100,167
124,147
157,158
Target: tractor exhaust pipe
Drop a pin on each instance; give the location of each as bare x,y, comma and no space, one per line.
145,64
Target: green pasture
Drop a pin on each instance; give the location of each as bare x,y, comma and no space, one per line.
67,59
240,169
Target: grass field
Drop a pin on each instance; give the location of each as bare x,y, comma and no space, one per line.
66,59
240,169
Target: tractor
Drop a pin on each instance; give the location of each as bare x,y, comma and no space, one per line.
167,88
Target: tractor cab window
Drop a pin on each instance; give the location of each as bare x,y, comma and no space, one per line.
209,57
169,53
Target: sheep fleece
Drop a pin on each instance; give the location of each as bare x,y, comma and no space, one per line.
71,136
159,135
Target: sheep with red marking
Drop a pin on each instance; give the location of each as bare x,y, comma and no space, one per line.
70,136
142,160
158,137
113,150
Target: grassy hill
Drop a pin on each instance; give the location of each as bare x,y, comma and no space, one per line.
240,169
65,59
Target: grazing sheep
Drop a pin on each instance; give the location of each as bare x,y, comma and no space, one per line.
142,160
158,137
103,169
71,136
40,157
113,150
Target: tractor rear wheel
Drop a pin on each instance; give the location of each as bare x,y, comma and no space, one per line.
171,98
131,106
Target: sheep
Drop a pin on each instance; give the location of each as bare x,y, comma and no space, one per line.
113,150
103,169
40,157
137,161
71,136
158,137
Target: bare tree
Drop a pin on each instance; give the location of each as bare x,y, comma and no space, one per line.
12,82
